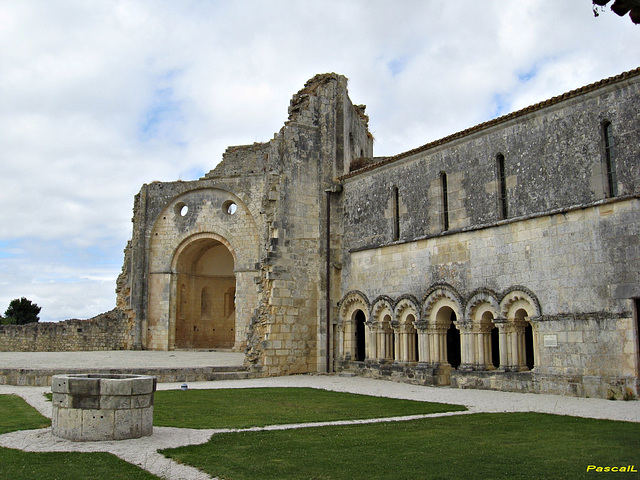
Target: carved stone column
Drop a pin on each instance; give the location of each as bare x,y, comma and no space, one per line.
389,339
423,342
385,343
484,360
505,356
520,360
410,336
371,351
438,337
398,340
467,345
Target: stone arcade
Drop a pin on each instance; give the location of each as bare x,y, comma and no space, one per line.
505,256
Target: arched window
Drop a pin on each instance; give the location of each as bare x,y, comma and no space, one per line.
445,201
502,186
396,214
610,161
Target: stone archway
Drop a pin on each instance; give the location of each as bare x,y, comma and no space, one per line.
206,284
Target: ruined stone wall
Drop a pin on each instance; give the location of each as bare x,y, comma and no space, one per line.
276,235
319,138
109,331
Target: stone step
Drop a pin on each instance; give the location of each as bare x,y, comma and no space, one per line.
42,376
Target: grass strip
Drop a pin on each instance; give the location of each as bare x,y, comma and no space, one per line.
16,414
479,446
251,407
19,465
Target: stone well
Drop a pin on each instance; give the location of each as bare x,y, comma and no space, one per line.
92,407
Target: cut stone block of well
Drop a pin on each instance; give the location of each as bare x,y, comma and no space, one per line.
98,407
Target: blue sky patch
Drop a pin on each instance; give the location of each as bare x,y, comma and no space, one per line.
397,65
194,173
501,105
526,76
8,249
163,116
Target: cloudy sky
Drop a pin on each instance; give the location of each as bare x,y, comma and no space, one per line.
99,97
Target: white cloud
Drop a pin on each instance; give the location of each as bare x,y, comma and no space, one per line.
97,98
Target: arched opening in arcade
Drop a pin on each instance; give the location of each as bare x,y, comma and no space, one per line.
526,348
360,319
206,290
446,316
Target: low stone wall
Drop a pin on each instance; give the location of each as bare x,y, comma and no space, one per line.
611,387
108,331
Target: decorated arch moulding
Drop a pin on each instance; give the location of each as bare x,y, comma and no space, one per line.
482,300
442,295
353,300
519,297
406,305
381,305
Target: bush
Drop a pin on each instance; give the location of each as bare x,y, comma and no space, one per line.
21,311
7,320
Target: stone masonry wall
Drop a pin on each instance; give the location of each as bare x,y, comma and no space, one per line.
109,331
553,158
565,236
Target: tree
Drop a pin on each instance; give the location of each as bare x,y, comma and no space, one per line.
621,8
23,311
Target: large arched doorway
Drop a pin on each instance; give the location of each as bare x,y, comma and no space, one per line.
206,285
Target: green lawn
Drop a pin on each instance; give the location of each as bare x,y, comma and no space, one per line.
479,446
251,407
16,414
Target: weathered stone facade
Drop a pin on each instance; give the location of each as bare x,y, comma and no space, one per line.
513,249
243,249
505,256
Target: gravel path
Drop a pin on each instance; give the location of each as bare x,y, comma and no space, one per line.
143,451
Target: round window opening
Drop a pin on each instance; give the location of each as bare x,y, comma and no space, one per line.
229,207
182,209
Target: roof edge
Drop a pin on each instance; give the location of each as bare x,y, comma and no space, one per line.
496,121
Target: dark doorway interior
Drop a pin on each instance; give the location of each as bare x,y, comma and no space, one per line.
360,335
495,347
453,344
528,346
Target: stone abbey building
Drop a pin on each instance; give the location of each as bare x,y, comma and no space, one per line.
505,256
